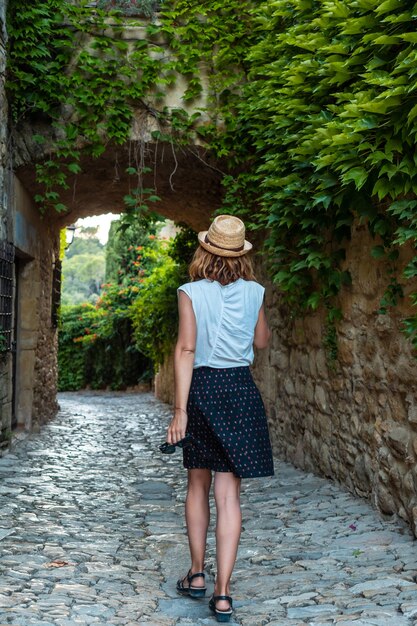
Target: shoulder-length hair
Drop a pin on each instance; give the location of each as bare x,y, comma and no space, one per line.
223,269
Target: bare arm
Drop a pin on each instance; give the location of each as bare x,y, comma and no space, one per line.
183,367
262,332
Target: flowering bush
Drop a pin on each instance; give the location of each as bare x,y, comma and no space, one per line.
132,326
95,349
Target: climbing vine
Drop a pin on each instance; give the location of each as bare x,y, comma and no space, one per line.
89,96
330,109
311,105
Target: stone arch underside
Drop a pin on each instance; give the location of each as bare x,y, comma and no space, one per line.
187,181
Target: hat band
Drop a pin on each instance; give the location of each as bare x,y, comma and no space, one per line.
215,245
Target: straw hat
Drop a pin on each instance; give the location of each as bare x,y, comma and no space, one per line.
225,237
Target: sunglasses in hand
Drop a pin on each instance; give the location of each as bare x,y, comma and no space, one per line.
169,448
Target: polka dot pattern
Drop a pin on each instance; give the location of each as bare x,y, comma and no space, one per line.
226,417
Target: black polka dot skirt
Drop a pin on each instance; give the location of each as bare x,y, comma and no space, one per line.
226,418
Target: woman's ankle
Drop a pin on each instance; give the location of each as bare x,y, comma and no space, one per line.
198,581
221,591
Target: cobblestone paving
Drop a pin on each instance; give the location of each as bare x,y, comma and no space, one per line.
91,532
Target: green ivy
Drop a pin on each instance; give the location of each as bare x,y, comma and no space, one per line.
89,97
330,113
312,108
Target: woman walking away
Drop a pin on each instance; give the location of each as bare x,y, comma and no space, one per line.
218,408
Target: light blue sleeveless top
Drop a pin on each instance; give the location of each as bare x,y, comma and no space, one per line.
226,317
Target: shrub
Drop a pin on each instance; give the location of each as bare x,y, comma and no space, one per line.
96,350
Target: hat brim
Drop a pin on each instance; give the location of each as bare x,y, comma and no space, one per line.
247,247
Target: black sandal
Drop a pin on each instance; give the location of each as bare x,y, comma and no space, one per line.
221,615
193,592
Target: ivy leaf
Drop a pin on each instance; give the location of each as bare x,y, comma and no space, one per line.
412,114
378,252
358,175
74,168
40,139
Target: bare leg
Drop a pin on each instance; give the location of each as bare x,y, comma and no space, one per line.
228,527
197,515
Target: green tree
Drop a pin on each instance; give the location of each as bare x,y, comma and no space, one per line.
83,245
128,237
83,276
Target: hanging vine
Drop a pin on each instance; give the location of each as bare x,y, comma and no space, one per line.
89,89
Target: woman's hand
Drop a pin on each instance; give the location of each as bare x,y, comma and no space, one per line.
178,426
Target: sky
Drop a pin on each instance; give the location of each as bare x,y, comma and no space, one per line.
101,221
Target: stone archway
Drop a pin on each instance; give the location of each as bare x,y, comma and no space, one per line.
189,186
187,181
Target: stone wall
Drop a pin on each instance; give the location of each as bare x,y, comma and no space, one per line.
356,420
37,248
46,364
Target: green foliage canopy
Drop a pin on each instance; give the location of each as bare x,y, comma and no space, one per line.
95,350
313,104
331,109
83,275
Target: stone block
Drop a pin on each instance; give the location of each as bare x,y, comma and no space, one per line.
289,386
395,475
298,335
378,367
398,408
412,413
355,426
298,458
137,33
345,351
27,368
312,363
385,501
406,370
320,398
414,520
321,364
304,364
325,426
398,439
408,483
294,360
29,316
309,392
279,359
363,471
28,340
313,330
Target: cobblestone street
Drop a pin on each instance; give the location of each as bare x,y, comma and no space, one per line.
92,532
